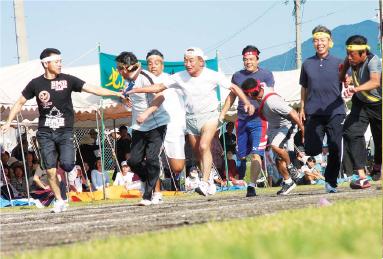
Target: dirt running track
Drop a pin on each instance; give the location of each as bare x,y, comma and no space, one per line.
34,229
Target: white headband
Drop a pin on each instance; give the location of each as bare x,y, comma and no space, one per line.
53,57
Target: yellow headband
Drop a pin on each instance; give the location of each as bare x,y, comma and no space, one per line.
318,35
321,35
357,47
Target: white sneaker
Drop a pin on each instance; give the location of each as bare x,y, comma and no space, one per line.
59,206
157,198
145,203
38,204
202,188
212,189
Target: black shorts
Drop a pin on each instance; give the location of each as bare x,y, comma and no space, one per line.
54,144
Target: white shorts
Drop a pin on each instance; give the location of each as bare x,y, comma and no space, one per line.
195,122
280,137
174,143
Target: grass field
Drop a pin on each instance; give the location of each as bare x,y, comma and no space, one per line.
347,229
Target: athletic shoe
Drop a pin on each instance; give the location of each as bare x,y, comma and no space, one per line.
329,188
250,191
212,189
202,188
38,204
59,206
145,202
376,173
157,198
294,173
360,184
286,188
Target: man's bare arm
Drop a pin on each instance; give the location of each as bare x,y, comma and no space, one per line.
14,111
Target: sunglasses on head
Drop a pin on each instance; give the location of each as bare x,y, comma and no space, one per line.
131,68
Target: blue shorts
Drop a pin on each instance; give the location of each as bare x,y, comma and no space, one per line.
56,144
251,137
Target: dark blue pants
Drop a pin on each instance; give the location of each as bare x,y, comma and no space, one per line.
315,128
144,159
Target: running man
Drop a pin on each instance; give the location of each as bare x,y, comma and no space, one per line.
282,120
53,92
147,135
366,107
174,143
198,85
322,107
251,129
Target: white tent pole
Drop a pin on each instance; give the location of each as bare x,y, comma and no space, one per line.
23,156
6,183
102,160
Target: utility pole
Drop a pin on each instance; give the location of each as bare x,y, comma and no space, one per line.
298,24
21,35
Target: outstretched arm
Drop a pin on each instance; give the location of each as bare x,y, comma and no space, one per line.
97,90
155,88
228,103
249,108
14,111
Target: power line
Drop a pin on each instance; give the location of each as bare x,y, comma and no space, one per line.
222,42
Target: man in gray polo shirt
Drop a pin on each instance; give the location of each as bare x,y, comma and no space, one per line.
322,107
366,108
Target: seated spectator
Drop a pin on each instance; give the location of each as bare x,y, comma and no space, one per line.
192,181
18,180
125,177
87,149
229,138
77,183
7,190
5,157
322,158
17,150
217,153
97,176
231,166
311,173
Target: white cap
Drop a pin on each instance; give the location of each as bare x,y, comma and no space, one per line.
193,51
124,163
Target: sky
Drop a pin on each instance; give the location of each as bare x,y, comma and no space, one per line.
223,27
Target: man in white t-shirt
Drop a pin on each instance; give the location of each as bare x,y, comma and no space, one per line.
198,85
173,104
147,136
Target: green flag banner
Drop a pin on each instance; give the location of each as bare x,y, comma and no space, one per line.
111,79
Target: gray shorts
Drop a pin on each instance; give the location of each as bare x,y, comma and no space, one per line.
195,122
280,137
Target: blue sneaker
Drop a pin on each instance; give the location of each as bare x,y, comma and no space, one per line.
329,188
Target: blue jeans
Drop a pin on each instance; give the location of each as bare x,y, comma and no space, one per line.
56,144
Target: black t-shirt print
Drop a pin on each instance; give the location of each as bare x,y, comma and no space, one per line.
54,100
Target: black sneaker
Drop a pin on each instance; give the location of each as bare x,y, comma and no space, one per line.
250,192
286,188
294,173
